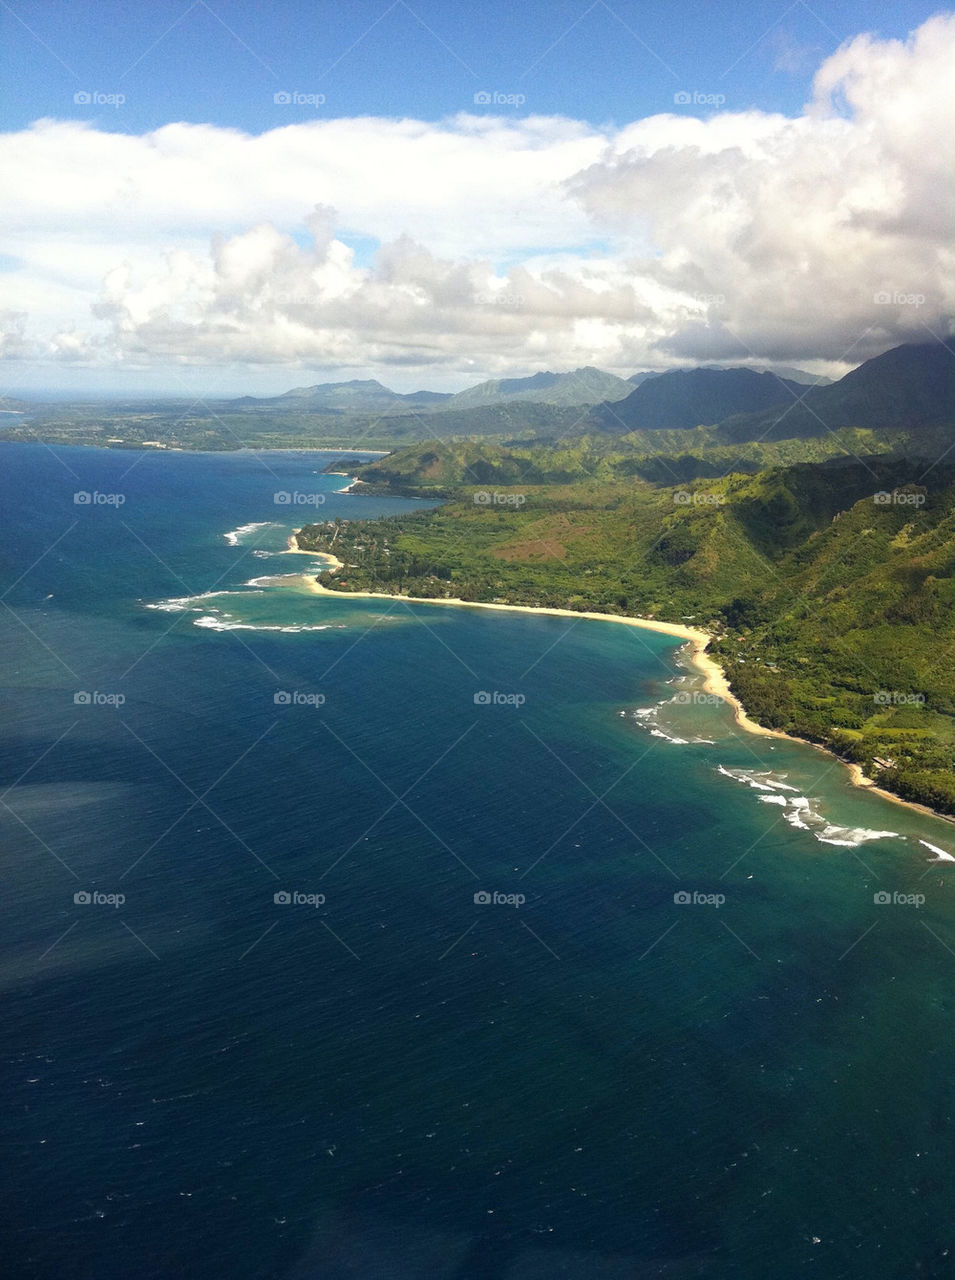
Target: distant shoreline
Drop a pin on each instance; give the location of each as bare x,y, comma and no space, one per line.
714,677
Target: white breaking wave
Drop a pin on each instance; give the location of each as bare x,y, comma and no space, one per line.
647,718
216,618
187,604
757,779
210,622
234,536
800,813
272,580
940,854
851,837
658,733
279,579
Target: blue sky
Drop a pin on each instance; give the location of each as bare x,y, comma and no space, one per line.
249,197
223,62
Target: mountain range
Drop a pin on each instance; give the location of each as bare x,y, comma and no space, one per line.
358,396
682,398
908,389
581,386
909,386
815,540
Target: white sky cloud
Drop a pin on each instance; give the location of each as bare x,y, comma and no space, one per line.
669,240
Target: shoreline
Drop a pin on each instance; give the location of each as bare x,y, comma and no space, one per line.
333,562
714,678
715,681
860,779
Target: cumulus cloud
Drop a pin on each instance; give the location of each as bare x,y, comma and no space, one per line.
808,235
14,344
501,245
261,297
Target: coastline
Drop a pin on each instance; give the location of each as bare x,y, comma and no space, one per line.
859,779
333,562
714,678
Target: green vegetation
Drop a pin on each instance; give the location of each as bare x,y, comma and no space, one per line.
894,400
909,387
833,613
688,397
183,425
435,468
582,386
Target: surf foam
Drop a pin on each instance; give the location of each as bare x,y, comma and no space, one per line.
235,536
801,813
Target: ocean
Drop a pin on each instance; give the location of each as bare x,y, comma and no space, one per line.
352,938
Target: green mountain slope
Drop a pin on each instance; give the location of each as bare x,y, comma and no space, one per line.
909,387
695,397
358,396
662,457
581,386
830,586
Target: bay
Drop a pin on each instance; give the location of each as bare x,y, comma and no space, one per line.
603,1079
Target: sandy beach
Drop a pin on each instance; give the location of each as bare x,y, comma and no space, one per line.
714,681
714,678
859,779
333,563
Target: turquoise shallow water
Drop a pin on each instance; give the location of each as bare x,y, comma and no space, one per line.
601,1080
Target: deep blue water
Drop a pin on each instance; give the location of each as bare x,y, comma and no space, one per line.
401,1081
